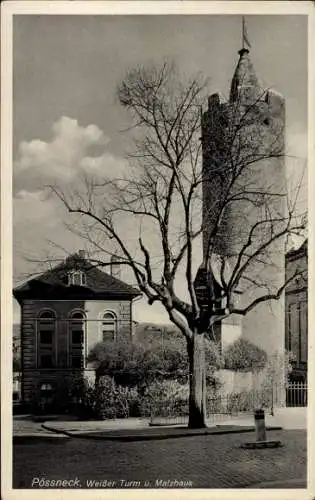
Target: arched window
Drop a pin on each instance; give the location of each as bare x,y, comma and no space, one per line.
46,331
77,326
109,326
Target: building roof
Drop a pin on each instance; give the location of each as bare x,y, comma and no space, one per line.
53,284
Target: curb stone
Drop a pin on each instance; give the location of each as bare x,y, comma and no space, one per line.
111,436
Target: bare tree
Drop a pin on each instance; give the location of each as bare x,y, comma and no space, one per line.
160,197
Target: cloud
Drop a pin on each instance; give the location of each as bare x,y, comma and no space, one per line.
72,151
104,163
68,154
32,206
35,219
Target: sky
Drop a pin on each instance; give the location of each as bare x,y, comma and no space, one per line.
67,119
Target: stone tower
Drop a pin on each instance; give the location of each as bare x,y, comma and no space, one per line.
243,142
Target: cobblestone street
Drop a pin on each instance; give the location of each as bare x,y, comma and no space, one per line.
212,461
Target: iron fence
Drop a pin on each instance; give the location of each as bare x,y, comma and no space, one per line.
218,408
296,394
227,406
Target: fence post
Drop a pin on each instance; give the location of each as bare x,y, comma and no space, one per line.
272,401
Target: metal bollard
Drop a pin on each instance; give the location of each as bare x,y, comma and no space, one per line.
260,425
261,441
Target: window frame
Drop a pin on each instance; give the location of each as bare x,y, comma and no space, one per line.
111,320
77,349
73,274
45,349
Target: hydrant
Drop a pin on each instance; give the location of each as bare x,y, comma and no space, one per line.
260,425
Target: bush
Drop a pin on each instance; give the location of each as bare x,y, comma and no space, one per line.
104,400
81,395
244,356
129,364
171,399
166,398
215,404
136,365
248,401
167,390
278,369
135,379
114,401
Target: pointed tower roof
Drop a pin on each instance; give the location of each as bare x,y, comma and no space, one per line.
245,81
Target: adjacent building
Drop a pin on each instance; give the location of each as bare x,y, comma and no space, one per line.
296,295
64,313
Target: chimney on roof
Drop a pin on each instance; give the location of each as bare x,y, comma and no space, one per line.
115,267
82,254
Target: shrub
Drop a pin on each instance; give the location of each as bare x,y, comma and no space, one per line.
116,401
244,356
248,400
278,369
81,394
104,400
276,376
167,390
171,399
129,364
137,365
165,398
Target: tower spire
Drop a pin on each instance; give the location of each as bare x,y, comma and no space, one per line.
245,83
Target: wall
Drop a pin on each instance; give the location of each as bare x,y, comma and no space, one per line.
235,381
34,377
95,310
263,380
29,312
262,135
229,333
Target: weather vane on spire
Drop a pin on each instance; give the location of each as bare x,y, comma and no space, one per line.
245,42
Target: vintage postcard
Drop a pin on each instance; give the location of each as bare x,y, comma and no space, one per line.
157,175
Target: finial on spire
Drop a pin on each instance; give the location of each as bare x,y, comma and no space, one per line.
245,41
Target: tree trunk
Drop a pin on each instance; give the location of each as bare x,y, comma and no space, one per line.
197,381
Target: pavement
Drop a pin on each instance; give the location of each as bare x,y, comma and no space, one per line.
47,426
131,429
293,418
26,427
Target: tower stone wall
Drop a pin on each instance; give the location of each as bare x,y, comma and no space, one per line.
243,142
